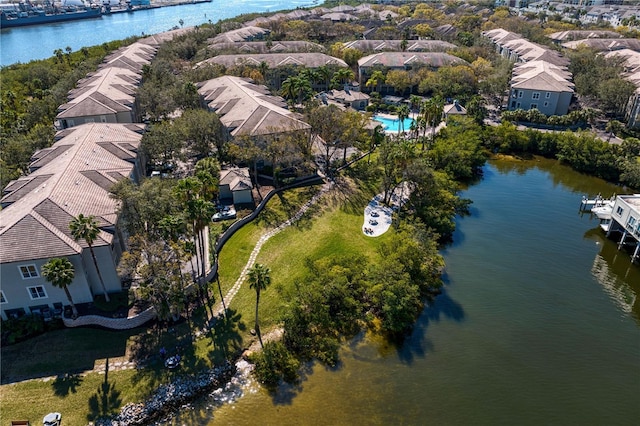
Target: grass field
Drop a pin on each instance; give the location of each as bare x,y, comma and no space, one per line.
331,228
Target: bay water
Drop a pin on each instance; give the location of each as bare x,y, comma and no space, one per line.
538,324
24,44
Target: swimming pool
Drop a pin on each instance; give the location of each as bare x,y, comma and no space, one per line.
393,124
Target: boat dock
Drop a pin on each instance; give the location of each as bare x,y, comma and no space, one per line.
619,218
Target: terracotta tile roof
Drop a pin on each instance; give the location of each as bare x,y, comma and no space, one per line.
74,181
245,108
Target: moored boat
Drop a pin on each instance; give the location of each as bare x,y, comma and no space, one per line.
27,13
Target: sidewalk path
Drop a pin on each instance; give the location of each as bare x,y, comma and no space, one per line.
256,250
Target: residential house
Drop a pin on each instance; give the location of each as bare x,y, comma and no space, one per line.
347,98
71,177
605,45
249,109
403,61
106,96
264,47
541,85
396,45
275,60
236,185
247,33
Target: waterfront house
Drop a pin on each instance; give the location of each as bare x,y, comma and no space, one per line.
542,86
71,177
625,216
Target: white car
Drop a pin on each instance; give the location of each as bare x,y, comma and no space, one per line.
227,212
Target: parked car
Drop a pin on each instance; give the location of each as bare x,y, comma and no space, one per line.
225,213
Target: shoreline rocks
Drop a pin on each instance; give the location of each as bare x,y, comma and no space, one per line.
170,397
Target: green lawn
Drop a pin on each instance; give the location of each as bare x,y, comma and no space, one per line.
331,228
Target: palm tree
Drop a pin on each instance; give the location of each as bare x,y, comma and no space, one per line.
60,273
376,79
86,228
403,113
259,279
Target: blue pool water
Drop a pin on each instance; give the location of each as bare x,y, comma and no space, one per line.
393,124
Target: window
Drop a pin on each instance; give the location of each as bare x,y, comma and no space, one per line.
518,105
513,104
2,298
103,118
520,94
619,211
547,95
546,104
37,292
630,222
28,271
535,95
534,106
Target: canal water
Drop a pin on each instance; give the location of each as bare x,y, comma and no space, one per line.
538,324
39,41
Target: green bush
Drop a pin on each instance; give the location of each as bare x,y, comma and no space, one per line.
275,363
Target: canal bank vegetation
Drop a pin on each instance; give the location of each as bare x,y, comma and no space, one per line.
583,151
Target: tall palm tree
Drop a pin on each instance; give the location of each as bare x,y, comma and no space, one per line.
86,228
60,273
403,113
259,279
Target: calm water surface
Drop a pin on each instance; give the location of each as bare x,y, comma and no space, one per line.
538,324
39,41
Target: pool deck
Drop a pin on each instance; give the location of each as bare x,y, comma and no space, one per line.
413,116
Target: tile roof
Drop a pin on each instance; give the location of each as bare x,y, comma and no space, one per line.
241,34
402,59
267,47
246,108
38,207
395,45
541,75
274,60
238,179
582,34
107,91
605,44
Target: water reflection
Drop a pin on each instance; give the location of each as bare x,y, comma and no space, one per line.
612,268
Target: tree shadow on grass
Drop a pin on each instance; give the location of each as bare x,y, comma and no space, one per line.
226,336
106,401
65,384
